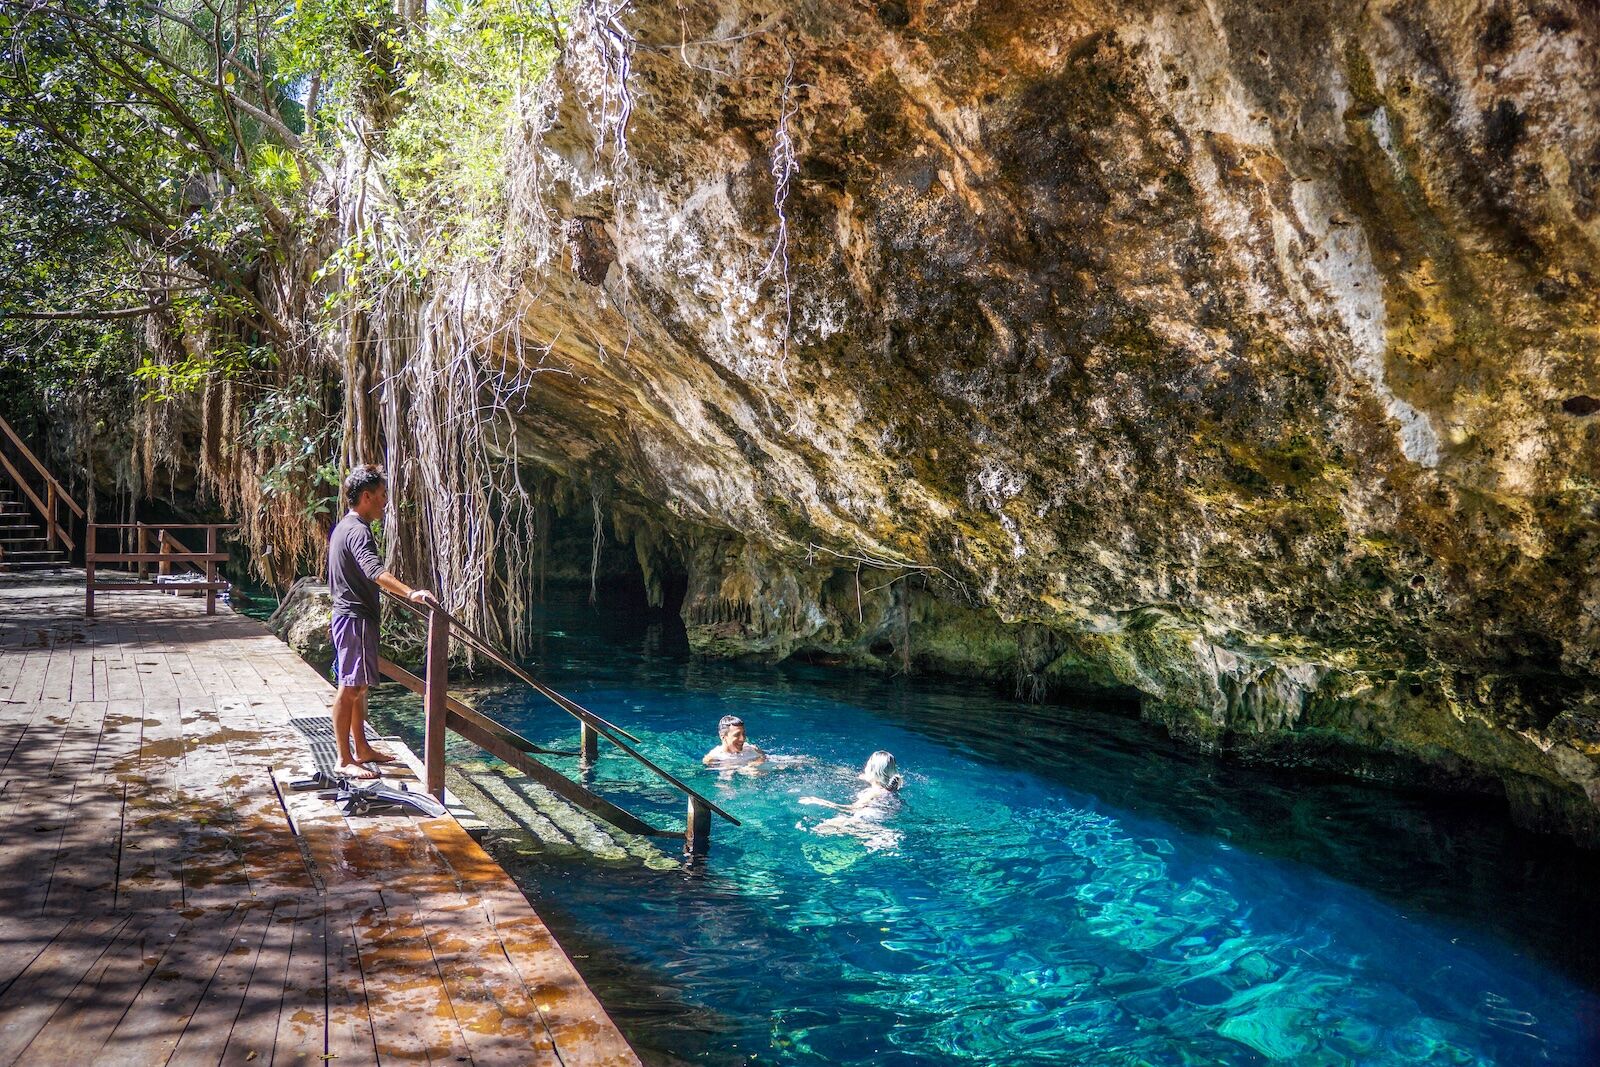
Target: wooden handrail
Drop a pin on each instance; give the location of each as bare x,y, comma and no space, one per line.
166,525
577,711
49,520
43,471
442,711
508,745
206,560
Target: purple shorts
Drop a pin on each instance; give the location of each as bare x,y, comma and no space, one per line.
355,651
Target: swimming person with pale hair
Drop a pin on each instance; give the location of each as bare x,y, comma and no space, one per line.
863,817
732,749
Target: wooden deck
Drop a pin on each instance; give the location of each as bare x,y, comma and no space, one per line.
164,900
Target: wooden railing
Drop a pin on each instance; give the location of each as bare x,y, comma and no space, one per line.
169,551
442,711
47,495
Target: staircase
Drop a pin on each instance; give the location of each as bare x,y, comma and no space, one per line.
36,511
24,544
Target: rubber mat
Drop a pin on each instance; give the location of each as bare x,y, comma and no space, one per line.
318,731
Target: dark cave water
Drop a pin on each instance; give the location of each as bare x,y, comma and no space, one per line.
1062,885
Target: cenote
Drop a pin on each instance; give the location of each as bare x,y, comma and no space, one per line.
1067,886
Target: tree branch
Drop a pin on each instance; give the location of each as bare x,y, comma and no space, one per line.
87,313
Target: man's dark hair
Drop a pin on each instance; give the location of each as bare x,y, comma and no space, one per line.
362,479
728,722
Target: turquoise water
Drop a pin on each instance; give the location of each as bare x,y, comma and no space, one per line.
1062,886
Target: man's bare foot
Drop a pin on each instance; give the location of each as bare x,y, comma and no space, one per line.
372,755
356,770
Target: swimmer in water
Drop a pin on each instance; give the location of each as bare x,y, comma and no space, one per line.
879,800
733,750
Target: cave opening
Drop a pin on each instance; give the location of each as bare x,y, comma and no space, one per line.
619,582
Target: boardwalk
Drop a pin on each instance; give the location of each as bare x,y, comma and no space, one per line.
164,900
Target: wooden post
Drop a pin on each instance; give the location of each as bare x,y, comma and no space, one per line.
141,546
588,743
89,540
165,566
433,701
211,569
50,514
697,831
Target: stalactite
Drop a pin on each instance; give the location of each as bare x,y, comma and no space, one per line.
905,627
541,525
596,544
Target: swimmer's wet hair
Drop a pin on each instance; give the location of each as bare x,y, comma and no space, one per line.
881,770
727,723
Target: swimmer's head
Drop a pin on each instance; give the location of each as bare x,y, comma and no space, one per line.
882,771
731,730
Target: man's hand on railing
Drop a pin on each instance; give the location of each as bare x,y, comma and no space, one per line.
395,587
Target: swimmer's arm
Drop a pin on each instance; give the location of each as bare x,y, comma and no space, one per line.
761,757
712,757
819,802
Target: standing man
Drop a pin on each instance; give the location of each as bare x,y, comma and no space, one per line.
355,574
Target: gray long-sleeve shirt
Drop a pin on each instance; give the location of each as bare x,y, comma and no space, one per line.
353,569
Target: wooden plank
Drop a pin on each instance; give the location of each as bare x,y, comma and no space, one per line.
82,662
406,1001
18,721
205,1035
57,683
350,1032
10,669
33,812
82,1024
122,680
29,685
186,676
151,876
100,681
102,585
28,1003
159,557
85,865
573,1016
243,676
283,1016
496,1010
159,1013
26,937
152,526
257,845
155,676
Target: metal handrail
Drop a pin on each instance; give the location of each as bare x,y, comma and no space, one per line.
491,734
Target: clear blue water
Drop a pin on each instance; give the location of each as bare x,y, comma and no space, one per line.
1067,887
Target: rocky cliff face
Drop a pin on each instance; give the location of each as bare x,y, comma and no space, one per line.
1243,357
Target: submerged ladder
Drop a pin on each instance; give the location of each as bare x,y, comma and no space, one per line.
441,711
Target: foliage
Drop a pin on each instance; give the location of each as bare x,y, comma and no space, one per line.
142,129
445,152
289,423
217,203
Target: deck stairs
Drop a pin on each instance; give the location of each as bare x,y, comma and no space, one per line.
24,542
